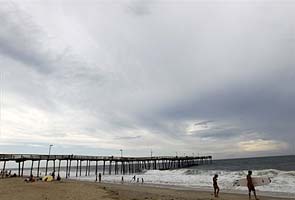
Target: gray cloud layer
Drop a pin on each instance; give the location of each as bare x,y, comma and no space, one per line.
193,77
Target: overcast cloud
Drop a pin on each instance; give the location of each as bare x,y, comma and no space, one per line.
93,77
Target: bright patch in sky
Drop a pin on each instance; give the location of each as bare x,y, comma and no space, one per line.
261,145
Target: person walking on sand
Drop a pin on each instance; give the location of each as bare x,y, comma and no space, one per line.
250,185
215,185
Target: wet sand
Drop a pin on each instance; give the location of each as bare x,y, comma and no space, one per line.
17,189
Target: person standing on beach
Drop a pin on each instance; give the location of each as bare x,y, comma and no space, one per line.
215,185
250,185
99,177
58,177
53,175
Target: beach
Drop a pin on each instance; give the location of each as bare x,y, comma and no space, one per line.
17,189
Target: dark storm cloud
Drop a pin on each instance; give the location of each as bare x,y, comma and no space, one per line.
219,135
21,40
203,123
129,138
264,105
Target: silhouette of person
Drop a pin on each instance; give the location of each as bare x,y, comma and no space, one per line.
58,178
215,185
99,177
53,174
250,185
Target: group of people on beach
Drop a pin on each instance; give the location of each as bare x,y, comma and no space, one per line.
250,185
32,179
58,178
134,179
7,173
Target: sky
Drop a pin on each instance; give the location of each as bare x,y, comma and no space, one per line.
160,77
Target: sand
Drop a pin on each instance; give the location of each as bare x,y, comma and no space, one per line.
17,189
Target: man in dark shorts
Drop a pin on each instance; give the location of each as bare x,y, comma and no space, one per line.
251,185
215,185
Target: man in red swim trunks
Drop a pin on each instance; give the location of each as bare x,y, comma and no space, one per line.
251,185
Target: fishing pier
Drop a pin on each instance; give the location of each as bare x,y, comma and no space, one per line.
76,165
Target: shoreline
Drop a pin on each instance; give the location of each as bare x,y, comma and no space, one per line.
183,191
192,188
201,189
17,189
